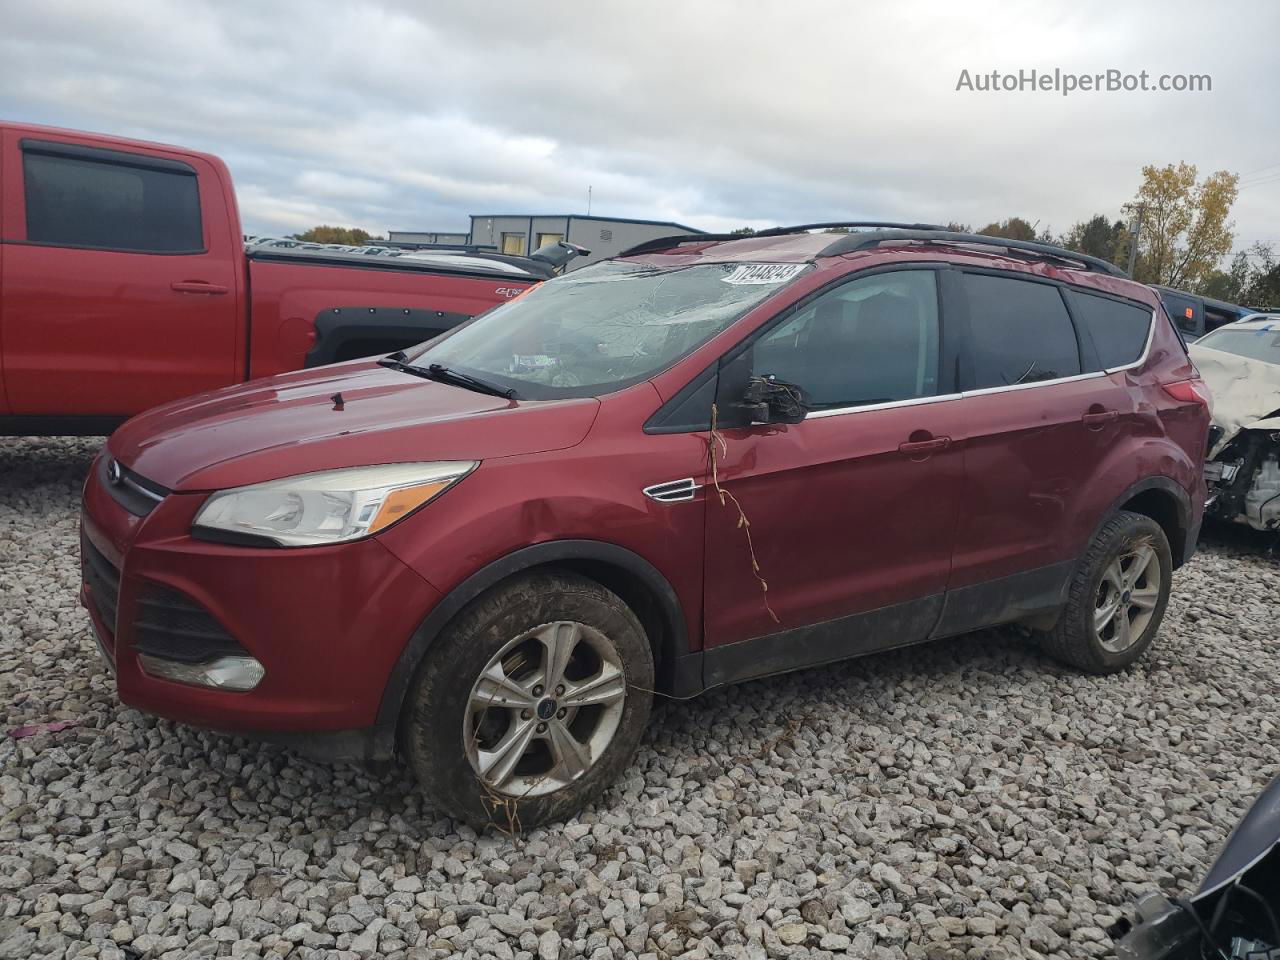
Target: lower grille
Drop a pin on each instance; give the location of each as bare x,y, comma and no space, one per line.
171,625
103,581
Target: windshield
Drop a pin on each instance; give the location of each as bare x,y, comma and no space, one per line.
604,327
1260,343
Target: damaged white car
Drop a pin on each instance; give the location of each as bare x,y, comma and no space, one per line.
1241,364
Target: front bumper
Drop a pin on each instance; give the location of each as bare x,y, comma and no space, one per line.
326,623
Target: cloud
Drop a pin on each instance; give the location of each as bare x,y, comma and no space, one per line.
718,114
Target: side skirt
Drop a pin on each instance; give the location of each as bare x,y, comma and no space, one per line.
897,625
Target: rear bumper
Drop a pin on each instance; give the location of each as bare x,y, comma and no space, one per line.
327,624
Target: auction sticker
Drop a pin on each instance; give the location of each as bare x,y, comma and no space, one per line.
763,273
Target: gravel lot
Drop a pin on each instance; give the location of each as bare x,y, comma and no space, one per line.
961,800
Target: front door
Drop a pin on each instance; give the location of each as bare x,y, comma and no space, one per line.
848,516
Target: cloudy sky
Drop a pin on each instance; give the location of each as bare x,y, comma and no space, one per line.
412,115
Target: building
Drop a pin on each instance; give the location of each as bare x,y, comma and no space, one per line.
521,234
432,237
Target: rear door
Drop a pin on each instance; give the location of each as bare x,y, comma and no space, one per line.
1040,417
849,513
120,276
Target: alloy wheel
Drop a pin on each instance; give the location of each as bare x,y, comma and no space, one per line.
544,709
1127,598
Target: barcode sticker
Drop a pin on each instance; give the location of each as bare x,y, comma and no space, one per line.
763,273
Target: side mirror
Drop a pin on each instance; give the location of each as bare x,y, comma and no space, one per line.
769,400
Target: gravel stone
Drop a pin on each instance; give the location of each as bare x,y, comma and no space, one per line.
967,798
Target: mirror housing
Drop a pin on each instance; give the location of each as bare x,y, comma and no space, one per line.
769,400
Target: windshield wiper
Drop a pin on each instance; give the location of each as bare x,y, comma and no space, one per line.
443,374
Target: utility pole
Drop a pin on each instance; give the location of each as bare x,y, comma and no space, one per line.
1134,232
588,200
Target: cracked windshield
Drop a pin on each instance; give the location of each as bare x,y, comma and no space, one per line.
605,327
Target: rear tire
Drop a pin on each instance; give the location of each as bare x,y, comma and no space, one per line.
1117,597
530,703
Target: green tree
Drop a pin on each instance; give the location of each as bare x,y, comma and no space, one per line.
1098,237
1015,228
324,233
1185,228
743,232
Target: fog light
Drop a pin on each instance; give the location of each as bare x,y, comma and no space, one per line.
225,673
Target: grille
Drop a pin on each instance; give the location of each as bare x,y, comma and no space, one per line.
132,491
103,581
171,625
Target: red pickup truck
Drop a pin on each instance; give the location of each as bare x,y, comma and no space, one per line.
124,283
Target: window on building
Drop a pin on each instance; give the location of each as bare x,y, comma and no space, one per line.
111,206
513,244
1019,332
547,238
872,340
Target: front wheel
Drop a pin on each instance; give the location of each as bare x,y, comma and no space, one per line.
1117,597
530,703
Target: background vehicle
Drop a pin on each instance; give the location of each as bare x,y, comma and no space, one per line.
929,433
1234,913
1195,315
124,283
1241,365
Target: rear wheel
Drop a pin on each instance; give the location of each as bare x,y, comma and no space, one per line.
1117,598
530,703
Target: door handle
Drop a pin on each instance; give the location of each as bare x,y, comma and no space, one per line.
1096,421
198,286
914,447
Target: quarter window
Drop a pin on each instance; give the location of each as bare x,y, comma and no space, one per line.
872,340
1119,330
1019,332
76,202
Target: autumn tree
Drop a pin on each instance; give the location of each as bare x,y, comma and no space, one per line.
1185,231
352,236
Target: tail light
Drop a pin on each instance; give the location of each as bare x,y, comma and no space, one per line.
1194,390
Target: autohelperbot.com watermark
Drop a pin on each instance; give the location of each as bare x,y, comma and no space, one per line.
1066,82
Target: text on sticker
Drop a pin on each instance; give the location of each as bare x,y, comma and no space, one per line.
763,273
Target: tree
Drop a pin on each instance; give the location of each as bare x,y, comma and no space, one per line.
1015,228
743,232
1185,232
324,233
1097,237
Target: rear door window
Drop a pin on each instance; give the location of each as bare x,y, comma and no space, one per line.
75,201
1119,330
1019,332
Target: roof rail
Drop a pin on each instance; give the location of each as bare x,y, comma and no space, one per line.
834,224
863,241
663,243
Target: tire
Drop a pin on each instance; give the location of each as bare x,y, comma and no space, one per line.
1078,639
455,724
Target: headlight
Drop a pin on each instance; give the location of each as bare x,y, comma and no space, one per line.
329,507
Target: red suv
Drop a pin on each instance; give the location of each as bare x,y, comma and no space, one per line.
710,459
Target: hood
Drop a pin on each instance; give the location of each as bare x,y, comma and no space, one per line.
1244,390
290,424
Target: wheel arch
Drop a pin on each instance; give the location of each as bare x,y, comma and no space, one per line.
1168,504
636,581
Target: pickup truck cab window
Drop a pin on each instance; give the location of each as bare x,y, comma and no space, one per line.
81,202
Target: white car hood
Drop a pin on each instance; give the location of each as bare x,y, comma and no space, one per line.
1246,392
